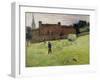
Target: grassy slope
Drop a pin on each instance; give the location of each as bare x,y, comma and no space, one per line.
63,53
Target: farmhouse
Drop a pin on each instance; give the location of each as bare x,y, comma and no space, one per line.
47,32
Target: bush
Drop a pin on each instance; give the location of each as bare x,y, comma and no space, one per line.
71,37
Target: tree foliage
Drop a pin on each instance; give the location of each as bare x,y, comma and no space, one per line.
28,33
80,24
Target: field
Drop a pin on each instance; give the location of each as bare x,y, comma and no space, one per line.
64,52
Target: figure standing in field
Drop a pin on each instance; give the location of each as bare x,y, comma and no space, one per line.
49,48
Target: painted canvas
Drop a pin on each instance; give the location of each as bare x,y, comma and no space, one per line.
54,39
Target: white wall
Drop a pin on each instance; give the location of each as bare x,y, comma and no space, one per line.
5,39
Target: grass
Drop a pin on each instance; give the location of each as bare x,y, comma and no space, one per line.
64,52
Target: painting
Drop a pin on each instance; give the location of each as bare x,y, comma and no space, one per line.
55,39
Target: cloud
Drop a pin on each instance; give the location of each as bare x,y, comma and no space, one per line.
65,19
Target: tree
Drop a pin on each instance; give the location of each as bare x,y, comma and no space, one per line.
80,24
28,34
77,29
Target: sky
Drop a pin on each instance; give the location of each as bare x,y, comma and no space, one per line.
48,18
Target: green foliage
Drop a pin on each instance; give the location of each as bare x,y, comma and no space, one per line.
63,53
28,33
81,26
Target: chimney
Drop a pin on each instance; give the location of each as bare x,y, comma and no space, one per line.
59,23
40,23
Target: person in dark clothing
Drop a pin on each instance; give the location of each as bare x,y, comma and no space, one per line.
49,47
